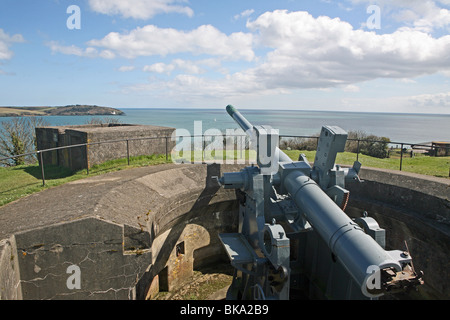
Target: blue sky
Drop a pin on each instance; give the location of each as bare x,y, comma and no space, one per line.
348,55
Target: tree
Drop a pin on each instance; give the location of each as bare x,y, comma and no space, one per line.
18,137
370,145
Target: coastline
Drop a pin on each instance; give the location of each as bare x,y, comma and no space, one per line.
70,110
408,128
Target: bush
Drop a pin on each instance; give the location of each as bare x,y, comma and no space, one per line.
369,145
308,144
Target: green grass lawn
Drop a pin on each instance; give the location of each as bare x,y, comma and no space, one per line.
20,181
432,166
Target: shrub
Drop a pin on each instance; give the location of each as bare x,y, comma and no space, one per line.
308,144
369,145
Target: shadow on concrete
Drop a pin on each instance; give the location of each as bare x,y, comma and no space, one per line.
210,190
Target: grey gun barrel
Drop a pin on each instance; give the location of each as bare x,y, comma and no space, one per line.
239,118
347,241
249,130
356,250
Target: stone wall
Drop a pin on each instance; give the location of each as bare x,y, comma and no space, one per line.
86,156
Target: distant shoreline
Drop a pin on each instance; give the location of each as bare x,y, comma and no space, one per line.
289,110
70,110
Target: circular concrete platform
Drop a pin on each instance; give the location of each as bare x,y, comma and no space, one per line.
133,233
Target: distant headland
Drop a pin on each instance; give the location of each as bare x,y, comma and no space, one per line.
71,110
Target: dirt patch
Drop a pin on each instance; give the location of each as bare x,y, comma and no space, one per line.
209,283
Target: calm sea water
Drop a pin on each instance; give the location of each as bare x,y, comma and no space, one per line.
408,128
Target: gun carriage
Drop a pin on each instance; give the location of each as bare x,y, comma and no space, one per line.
294,238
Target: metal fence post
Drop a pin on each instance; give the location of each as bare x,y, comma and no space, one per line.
203,148
401,157
357,151
167,149
128,152
87,159
42,169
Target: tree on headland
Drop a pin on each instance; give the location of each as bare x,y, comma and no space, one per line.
18,137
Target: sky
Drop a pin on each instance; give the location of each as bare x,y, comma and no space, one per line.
347,55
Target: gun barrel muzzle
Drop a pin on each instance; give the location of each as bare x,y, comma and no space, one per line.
239,118
249,130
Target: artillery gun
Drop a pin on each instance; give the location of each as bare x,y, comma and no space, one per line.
294,239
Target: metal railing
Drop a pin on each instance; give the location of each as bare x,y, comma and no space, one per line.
434,148
40,153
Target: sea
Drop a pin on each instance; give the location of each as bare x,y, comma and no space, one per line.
399,128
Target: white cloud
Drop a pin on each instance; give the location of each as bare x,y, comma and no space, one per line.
303,52
89,52
159,67
5,43
186,66
438,103
308,52
427,101
139,9
151,40
126,68
351,88
244,14
422,15
322,52
192,87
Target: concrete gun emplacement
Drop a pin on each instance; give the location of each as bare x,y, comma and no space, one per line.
294,239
